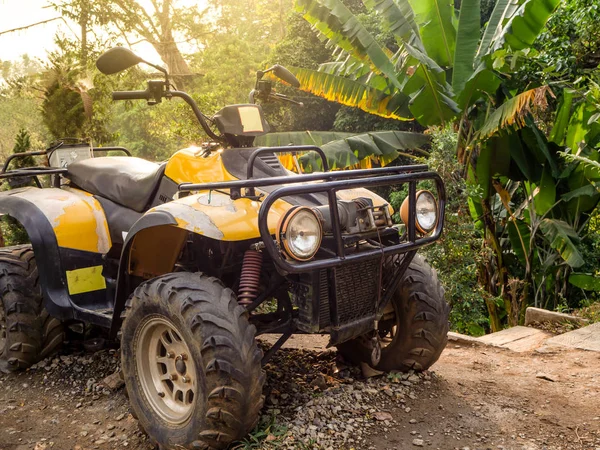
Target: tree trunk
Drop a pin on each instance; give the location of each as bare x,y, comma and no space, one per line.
167,47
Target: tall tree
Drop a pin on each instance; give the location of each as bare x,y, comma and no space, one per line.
165,25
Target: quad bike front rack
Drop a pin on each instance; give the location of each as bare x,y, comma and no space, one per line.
386,260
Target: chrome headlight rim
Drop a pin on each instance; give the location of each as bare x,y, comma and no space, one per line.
283,238
404,212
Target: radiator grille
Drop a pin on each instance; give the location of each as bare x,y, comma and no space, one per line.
324,315
356,287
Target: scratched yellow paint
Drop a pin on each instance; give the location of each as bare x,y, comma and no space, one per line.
76,228
229,220
187,166
87,279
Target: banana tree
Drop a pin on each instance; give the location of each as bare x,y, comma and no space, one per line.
535,196
441,63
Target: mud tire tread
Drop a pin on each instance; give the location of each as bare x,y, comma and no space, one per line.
422,327
230,357
31,334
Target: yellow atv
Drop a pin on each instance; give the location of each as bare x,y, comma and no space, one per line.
177,258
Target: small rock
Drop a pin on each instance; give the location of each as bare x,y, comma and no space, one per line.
114,381
418,442
382,415
545,376
368,371
319,382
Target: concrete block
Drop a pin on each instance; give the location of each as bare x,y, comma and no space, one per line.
586,338
518,339
463,339
543,315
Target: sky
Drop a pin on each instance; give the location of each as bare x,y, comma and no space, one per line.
38,40
35,41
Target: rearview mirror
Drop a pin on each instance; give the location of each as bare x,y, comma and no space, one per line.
283,74
116,60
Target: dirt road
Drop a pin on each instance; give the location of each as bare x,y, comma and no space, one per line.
475,398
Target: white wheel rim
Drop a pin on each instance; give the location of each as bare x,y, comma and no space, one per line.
166,370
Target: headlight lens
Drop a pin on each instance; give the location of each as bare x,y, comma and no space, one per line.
300,233
426,211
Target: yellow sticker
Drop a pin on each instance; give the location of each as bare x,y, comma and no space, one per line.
87,279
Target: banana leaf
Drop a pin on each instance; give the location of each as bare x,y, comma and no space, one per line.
299,138
563,238
436,26
520,237
585,281
397,17
337,23
467,38
563,113
431,97
498,14
354,93
527,23
545,196
343,150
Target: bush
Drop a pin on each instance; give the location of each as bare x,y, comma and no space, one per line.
455,256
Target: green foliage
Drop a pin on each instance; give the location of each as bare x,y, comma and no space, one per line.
568,48
12,231
411,78
62,112
267,427
456,255
20,112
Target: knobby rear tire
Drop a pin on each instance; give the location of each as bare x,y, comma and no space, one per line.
31,333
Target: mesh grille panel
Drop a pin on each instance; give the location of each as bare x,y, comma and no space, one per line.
356,290
324,317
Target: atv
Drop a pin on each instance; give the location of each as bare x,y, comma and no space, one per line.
188,261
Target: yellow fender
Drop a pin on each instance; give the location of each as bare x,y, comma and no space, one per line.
217,216
76,217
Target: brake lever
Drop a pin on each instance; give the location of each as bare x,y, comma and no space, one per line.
284,98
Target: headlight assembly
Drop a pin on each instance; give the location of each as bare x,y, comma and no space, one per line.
299,233
426,211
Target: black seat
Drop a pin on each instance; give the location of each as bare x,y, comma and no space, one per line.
125,180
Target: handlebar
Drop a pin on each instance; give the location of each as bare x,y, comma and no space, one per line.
285,98
131,95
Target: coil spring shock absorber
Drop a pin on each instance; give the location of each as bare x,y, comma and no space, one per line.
250,277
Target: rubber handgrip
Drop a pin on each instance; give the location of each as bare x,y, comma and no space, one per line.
130,95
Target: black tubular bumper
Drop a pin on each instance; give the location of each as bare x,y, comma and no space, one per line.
412,242
330,183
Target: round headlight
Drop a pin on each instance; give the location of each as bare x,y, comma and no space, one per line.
426,211
300,233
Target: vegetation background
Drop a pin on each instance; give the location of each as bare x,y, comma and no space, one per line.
506,93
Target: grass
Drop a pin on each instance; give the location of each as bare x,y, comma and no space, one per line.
591,312
268,434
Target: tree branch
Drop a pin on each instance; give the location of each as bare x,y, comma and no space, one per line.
32,25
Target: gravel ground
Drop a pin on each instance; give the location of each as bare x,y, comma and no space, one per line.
473,399
316,401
